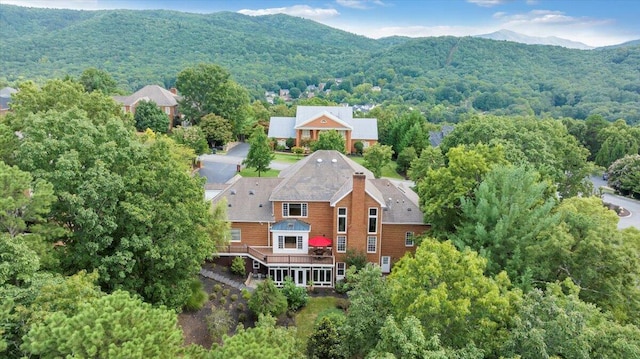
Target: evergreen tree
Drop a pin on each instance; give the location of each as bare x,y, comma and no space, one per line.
260,154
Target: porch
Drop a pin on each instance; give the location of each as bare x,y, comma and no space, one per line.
265,255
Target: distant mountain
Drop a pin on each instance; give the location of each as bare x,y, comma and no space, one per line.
506,35
624,44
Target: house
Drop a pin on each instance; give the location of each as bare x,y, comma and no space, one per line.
324,197
167,100
5,98
310,121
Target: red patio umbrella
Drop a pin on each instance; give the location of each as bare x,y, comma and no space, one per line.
320,241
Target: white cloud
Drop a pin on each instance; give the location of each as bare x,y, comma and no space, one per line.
304,11
488,3
359,4
57,4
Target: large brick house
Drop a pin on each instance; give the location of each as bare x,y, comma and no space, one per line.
325,196
167,100
310,121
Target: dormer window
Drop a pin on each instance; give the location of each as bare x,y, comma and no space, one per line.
294,210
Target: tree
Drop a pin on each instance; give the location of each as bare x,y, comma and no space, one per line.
431,158
442,189
264,341
325,341
329,140
297,297
192,137
359,147
370,305
507,212
114,326
260,154
624,175
376,157
617,141
448,292
149,115
267,299
587,247
218,131
97,80
404,159
209,89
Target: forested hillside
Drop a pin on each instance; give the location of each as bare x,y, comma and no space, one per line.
444,77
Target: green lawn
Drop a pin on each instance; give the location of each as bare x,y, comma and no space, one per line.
387,171
306,318
250,172
287,157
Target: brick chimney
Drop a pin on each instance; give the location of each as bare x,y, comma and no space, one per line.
358,213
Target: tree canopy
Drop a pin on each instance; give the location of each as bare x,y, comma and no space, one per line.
260,154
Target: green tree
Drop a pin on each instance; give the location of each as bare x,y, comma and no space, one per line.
403,162
370,305
448,292
297,297
617,141
431,158
260,154
149,115
209,89
267,299
97,80
624,175
219,131
192,137
507,212
376,157
441,190
325,341
587,247
113,326
329,140
264,341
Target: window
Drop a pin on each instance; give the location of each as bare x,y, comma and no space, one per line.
294,210
342,220
290,242
373,220
256,264
372,242
340,269
306,133
235,235
408,239
341,247
167,110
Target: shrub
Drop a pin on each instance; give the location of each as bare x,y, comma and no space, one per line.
290,142
197,298
359,146
342,303
217,288
242,317
234,297
223,300
297,297
325,341
354,258
268,299
226,292
297,150
237,266
218,323
280,148
213,296
246,295
342,286
240,307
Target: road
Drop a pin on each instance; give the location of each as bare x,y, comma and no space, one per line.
631,205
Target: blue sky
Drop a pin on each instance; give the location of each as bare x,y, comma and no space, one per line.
592,22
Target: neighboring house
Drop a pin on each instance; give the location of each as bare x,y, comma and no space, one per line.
436,137
275,221
310,121
167,100
5,98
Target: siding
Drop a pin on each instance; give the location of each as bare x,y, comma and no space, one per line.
252,234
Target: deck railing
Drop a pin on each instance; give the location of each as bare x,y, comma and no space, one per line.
269,258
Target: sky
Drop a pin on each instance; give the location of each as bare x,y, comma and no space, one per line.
592,22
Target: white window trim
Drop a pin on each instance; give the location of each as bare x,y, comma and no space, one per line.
369,217
239,231
338,244
409,239
304,209
375,244
345,219
344,270
256,264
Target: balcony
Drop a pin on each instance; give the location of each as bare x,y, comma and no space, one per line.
267,257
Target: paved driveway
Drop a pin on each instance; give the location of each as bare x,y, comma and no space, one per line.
632,205
221,168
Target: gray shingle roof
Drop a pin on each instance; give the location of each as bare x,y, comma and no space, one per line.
248,199
401,203
317,177
153,93
282,127
7,92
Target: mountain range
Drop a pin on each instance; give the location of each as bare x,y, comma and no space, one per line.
507,35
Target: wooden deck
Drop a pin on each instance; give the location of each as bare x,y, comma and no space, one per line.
266,255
